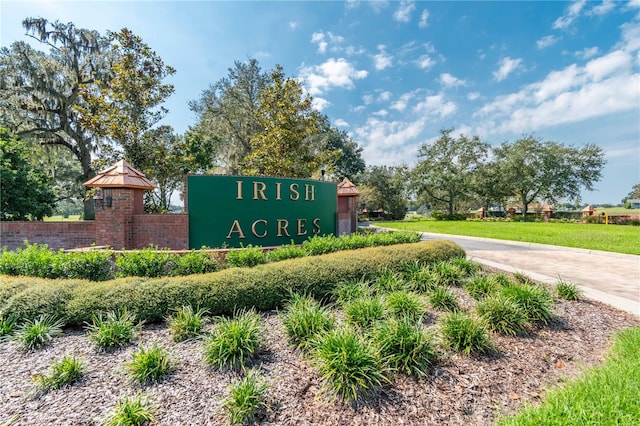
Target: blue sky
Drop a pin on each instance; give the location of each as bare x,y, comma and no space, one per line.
393,73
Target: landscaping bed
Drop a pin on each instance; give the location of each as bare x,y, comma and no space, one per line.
459,389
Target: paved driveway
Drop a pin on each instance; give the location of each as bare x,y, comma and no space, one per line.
609,277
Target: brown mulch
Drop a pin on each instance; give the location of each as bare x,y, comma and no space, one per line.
461,390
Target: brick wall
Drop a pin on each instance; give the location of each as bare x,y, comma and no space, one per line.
162,230
56,235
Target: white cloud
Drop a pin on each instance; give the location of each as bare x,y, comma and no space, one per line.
402,103
435,105
387,142
605,85
572,12
323,39
602,9
320,103
382,60
367,99
424,17
425,62
587,52
630,36
332,73
381,113
293,25
384,96
448,80
546,41
403,13
507,66
472,96
341,123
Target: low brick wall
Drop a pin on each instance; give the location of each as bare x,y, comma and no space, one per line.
56,235
162,230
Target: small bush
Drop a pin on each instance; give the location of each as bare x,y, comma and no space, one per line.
91,265
348,365
405,347
502,315
33,334
304,319
149,364
442,298
186,323
246,399
7,325
246,256
290,251
535,301
234,342
463,333
447,274
403,304
444,216
389,281
133,411
421,281
364,312
194,262
466,266
34,260
349,290
149,262
567,291
63,373
114,331
481,286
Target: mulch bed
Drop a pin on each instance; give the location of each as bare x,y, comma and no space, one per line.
461,390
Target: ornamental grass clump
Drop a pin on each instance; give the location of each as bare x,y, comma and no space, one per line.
535,301
349,366
421,280
502,315
443,298
113,331
247,398
463,333
364,312
304,319
349,290
63,373
481,286
186,323
149,365
7,326
405,347
567,291
132,411
404,304
446,274
466,266
234,341
389,281
34,334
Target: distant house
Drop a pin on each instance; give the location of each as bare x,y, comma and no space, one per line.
635,203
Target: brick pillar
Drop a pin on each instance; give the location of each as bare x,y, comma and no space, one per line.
347,208
114,224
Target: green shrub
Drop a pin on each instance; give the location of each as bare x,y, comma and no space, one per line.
7,325
34,260
63,373
304,319
481,286
463,333
346,291
567,291
131,411
149,364
264,287
405,346
246,256
389,280
90,265
437,215
365,311
421,281
446,273
404,304
114,331
149,262
535,301
290,251
466,266
502,315
349,366
234,342
442,298
246,399
193,262
186,323
33,334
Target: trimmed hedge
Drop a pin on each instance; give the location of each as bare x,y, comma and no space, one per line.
264,287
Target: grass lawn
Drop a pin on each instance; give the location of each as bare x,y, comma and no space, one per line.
605,395
61,218
614,238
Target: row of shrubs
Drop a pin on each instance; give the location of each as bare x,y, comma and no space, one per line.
38,260
264,287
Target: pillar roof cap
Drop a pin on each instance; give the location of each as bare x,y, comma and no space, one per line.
120,175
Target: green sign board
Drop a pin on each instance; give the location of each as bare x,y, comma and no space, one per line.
234,210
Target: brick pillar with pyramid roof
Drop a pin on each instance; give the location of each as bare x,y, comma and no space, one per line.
119,195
